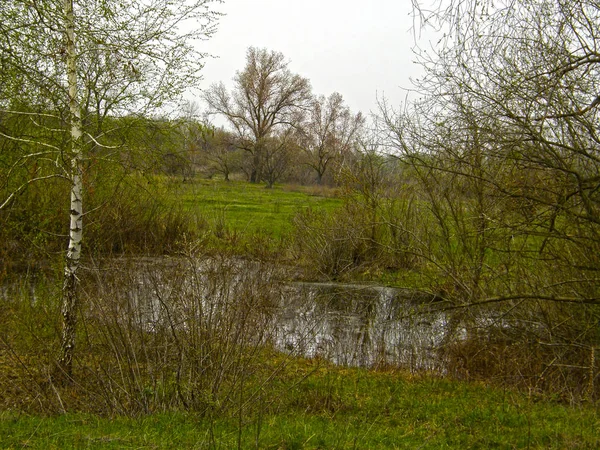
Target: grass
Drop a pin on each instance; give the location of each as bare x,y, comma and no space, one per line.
333,407
241,208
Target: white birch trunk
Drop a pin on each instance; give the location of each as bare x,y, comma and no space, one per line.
70,295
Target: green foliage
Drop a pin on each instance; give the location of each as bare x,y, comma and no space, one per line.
126,214
136,216
371,234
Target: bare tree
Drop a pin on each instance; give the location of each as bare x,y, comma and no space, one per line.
265,100
519,86
278,151
504,142
219,152
330,132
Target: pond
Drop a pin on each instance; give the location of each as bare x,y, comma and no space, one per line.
363,325
348,324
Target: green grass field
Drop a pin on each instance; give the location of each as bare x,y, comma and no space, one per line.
246,209
334,408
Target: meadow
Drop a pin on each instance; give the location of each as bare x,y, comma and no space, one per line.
242,208
270,399
313,405
176,325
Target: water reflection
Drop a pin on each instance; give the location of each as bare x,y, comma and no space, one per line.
348,324
362,325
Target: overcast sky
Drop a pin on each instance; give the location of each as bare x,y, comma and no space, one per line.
360,49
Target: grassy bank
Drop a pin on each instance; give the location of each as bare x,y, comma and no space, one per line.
313,406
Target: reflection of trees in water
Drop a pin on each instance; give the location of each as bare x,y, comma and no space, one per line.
352,313
347,324
366,326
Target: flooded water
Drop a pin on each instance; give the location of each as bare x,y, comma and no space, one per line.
349,324
209,315
357,325
362,325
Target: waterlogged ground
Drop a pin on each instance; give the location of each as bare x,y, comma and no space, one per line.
347,324
280,400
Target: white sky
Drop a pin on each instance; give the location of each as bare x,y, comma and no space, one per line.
359,48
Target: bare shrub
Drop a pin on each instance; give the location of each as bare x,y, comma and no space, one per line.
374,231
187,333
156,334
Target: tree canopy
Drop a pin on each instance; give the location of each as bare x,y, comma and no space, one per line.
267,99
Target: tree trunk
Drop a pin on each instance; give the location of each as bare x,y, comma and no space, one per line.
319,177
257,175
70,302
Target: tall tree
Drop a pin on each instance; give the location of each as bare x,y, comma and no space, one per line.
69,303
266,99
329,133
76,62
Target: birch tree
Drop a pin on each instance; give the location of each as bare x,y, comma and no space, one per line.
70,64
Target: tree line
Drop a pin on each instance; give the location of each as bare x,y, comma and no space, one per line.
274,119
